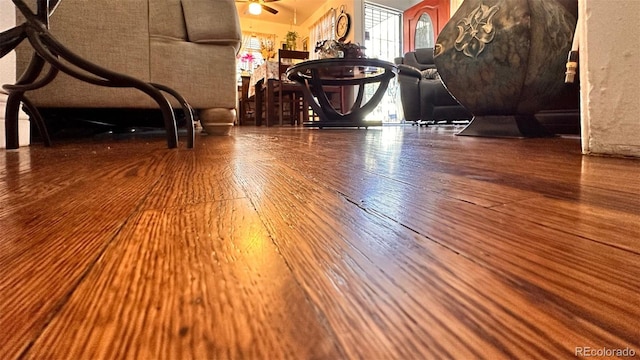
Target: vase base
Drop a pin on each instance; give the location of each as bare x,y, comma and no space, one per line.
506,126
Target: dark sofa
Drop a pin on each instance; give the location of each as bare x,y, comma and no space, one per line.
424,98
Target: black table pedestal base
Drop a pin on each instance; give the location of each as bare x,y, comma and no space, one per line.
317,75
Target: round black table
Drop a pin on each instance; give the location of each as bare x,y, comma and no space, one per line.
317,76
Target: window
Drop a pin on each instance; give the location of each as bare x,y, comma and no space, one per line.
255,46
382,31
323,29
425,37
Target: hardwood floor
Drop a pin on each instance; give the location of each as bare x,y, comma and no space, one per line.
386,243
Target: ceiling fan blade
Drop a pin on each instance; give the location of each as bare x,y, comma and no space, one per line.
269,9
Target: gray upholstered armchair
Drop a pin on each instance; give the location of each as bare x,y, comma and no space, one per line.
188,45
424,97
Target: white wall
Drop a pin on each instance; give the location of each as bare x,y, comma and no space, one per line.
454,5
8,75
609,59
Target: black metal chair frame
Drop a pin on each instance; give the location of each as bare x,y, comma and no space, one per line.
47,50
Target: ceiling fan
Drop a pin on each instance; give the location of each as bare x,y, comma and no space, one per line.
261,3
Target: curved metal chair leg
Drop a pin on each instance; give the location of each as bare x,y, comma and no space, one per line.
186,108
10,39
103,77
48,49
11,121
35,114
26,82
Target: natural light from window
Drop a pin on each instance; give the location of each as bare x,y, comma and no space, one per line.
383,28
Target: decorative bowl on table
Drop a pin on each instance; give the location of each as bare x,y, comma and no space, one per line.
328,49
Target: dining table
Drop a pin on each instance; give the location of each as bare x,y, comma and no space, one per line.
266,70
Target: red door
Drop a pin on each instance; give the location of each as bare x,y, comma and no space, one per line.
418,18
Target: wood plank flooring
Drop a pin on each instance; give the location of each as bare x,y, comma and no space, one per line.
288,243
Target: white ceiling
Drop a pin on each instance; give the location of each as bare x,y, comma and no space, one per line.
305,8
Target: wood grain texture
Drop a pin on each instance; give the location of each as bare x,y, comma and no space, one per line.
219,290
362,245
48,246
390,243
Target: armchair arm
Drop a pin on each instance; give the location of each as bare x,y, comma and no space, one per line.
212,22
409,70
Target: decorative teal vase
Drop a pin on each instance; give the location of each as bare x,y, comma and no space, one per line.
504,60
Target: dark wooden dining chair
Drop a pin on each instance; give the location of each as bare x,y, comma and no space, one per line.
289,94
246,105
